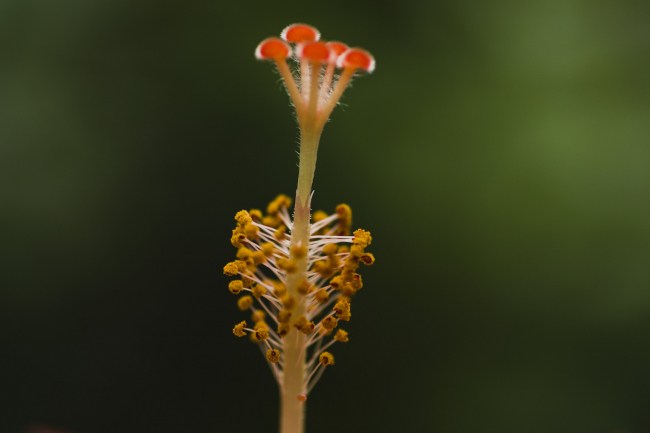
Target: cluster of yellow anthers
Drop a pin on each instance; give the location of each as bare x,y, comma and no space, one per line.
333,256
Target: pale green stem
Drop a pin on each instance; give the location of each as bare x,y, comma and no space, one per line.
292,418
308,152
292,410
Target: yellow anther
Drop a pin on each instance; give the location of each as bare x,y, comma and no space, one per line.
279,289
268,249
273,208
258,291
244,253
279,202
351,264
284,316
261,334
343,249
238,330
237,238
289,265
348,273
330,249
323,269
283,329
345,219
251,231
258,316
336,282
298,251
320,266
341,336
368,259
281,233
344,211
344,316
356,251
243,218
247,282
258,257
341,306
321,296
288,302
256,214
342,309
356,282
245,302
273,355
319,215
362,238
300,322
347,290
326,358
261,324
271,221
304,287
233,268
308,328
284,201
333,262
235,287
329,322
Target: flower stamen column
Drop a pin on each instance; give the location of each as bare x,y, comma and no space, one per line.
311,272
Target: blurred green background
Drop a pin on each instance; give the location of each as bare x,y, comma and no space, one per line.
500,156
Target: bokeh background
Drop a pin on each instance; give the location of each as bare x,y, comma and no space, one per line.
500,156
